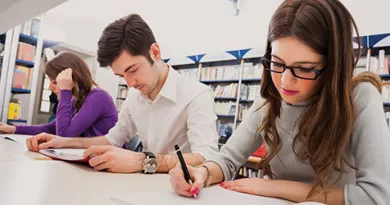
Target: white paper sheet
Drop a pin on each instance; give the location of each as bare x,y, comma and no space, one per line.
210,196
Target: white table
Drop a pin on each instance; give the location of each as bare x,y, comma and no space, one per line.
24,180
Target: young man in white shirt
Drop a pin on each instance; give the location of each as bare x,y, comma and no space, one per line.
163,107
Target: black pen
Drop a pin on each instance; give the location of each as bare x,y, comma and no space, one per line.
8,138
183,166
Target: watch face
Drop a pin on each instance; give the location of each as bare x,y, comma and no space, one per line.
150,165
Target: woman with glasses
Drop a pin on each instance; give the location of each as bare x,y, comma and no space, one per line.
325,132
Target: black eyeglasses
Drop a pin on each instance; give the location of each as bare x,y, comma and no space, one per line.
299,72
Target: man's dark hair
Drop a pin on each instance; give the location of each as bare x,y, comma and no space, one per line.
130,33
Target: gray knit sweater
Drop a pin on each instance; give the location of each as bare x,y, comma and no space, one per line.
368,150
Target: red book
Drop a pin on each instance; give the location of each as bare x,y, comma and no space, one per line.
73,155
260,152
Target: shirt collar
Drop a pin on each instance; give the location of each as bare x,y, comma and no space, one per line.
170,86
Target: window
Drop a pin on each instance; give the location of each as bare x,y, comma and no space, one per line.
45,97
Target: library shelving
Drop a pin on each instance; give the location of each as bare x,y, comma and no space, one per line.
20,69
232,76
376,58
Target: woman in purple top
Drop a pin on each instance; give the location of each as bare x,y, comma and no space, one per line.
83,108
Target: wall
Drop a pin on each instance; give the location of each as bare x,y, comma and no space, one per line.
189,27
14,12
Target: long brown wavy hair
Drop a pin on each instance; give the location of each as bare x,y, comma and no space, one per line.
325,127
81,74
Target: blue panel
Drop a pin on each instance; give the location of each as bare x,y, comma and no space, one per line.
48,44
24,63
373,39
226,116
251,80
193,58
2,38
166,60
33,41
235,53
225,98
386,104
13,121
243,52
20,91
385,76
200,57
363,39
28,39
219,81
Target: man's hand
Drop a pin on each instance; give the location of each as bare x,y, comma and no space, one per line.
44,141
114,159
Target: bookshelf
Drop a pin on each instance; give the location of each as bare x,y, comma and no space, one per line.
376,58
20,69
230,75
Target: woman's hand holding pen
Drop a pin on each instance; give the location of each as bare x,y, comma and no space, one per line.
181,186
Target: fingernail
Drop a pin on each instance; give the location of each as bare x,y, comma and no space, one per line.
194,191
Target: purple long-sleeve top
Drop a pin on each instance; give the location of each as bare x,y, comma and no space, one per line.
96,117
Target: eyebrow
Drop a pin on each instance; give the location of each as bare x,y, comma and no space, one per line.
298,62
127,69
130,67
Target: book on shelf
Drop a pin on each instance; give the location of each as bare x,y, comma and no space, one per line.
191,73
21,78
242,111
122,92
225,108
25,52
387,116
224,129
376,64
249,92
220,73
225,91
251,71
119,104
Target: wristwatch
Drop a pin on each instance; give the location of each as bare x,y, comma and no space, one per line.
150,163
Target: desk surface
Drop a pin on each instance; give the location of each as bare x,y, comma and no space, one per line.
28,181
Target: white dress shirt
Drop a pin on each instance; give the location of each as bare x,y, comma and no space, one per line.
182,113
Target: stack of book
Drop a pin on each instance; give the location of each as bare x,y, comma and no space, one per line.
225,108
251,71
220,73
249,92
21,77
225,91
190,73
378,64
25,52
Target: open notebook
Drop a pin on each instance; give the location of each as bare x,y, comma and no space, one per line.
74,155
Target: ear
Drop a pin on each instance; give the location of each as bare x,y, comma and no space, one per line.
155,52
